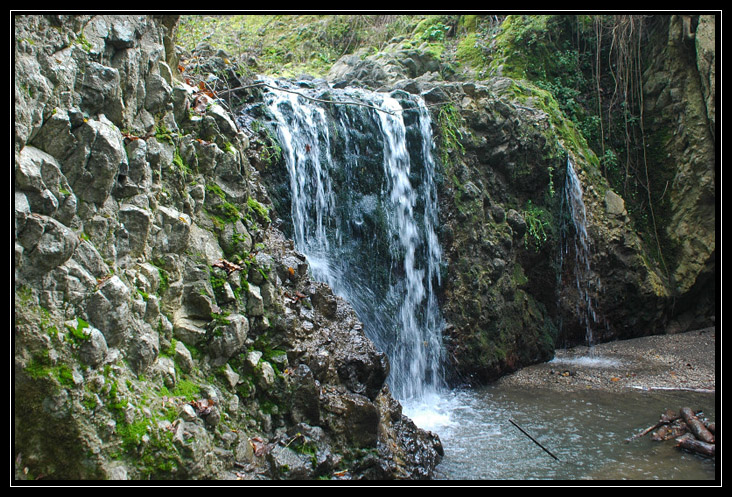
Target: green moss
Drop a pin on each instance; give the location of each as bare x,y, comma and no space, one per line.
163,274
187,389
83,42
223,212
78,332
519,277
450,126
471,52
563,134
163,134
38,368
260,210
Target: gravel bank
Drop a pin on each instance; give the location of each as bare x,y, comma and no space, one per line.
679,361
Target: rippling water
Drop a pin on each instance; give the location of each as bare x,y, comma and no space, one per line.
586,431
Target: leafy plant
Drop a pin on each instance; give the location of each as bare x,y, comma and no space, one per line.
536,226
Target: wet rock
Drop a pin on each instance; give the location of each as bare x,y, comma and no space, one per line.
266,376
188,413
289,464
109,311
55,136
138,223
304,403
189,331
235,238
231,376
323,299
354,416
39,175
517,223
157,94
143,349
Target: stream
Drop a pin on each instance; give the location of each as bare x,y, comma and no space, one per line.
363,210
585,430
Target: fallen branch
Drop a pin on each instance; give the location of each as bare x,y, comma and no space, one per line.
696,426
690,432
691,444
647,430
666,419
533,440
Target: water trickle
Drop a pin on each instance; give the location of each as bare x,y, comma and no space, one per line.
576,241
364,211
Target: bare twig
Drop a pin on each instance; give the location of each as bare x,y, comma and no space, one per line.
533,440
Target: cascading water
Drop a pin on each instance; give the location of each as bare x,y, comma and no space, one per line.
363,205
585,283
364,210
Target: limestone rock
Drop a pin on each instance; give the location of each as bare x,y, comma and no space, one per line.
93,167
255,303
94,350
228,339
614,204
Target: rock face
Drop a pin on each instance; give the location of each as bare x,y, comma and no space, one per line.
510,293
138,354
680,105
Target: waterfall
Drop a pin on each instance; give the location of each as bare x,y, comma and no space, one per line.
585,283
364,211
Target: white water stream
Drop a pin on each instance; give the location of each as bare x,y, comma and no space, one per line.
400,315
362,178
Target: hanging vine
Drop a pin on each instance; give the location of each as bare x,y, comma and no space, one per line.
623,37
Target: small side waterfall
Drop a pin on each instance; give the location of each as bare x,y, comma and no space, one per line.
364,210
585,282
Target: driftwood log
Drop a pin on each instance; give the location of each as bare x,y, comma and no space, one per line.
688,442
696,426
690,432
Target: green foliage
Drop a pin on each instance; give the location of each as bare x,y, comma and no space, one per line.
431,30
449,123
183,388
538,222
290,45
471,51
163,274
83,43
181,165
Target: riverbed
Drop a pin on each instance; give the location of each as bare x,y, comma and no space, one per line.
570,418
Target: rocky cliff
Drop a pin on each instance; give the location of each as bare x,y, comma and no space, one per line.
510,294
163,328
